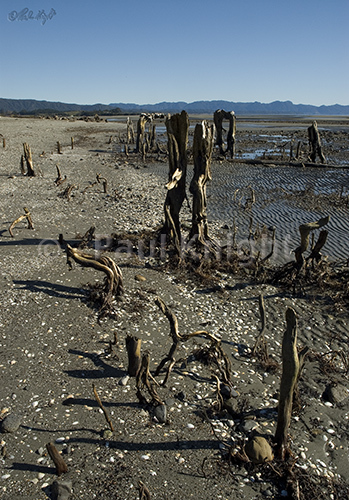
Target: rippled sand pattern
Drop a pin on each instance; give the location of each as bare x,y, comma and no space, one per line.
283,196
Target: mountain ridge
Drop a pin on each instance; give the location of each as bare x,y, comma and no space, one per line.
240,108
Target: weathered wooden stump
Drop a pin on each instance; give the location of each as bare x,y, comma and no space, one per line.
315,143
177,131
218,117
140,133
28,160
133,347
202,154
130,132
290,370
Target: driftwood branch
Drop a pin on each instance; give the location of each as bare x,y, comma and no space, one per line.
260,341
114,280
105,413
61,466
27,216
216,351
59,180
143,379
305,230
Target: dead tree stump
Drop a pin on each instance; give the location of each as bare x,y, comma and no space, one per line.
177,131
290,370
315,143
140,133
130,132
29,160
133,347
218,117
202,155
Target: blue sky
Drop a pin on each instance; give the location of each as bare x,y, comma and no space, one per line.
176,50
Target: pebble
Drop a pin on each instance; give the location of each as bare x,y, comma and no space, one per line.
145,457
11,423
160,413
61,490
191,426
60,440
124,380
5,476
249,425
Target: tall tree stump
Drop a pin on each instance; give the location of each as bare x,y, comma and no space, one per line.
218,117
29,160
140,133
130,133
177,132
202,154
290,371
315,143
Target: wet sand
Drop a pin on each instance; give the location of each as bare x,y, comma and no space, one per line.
52,347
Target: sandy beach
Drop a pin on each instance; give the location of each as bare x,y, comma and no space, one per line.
53,348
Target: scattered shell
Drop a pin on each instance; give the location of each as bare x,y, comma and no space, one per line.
191,426
60,440
145,457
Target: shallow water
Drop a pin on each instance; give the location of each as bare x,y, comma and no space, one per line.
281,201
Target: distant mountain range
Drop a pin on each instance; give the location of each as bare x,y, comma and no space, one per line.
32,106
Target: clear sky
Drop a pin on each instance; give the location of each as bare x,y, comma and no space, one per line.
148,51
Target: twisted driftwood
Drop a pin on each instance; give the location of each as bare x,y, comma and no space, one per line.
177,338
305,230
27,216
143,379
114,281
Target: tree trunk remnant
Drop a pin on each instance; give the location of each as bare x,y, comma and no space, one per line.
29,160
133,347
177,131
218,117
315,143
130,133
202,154
290,370
140,133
